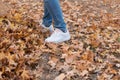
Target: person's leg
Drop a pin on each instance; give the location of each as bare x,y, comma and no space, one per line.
60,34
47,18
53,7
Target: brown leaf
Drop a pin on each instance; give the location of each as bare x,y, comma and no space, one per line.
89,56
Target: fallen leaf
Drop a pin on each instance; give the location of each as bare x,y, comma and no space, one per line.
60,77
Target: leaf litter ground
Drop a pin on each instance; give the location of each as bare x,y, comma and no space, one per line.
93,53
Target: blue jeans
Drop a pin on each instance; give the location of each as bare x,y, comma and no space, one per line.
53,12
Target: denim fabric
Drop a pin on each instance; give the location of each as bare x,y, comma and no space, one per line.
53,12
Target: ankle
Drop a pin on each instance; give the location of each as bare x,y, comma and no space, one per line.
64,30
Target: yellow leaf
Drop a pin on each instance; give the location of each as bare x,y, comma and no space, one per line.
17,17
11,58
25,74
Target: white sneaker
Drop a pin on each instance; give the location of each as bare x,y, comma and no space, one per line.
58,36
50,28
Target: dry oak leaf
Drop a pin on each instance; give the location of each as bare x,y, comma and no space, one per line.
88,55
65,48
95,43
53,61
70,59
82,65
17,17
2,55
4,8
60,77
25,74
84,73
11,59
